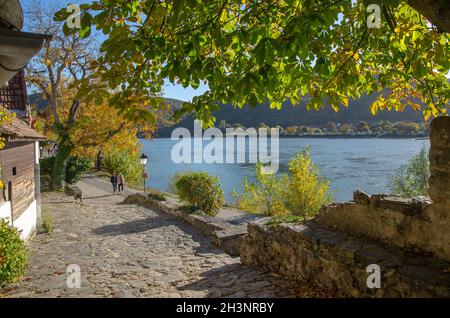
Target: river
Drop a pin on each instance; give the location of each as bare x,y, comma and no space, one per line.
349,164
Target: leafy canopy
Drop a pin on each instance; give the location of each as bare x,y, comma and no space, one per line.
247,52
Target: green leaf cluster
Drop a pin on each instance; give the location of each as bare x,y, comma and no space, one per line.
125,162
411,179
247,52
300,193
13,254
200,191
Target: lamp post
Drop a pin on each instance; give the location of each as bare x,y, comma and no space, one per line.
143,159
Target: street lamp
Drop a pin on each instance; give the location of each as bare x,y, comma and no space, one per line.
143,159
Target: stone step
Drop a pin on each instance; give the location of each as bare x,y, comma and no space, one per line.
398,221
337,261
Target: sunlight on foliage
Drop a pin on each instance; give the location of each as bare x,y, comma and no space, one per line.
125,162
201,191
5,117
267,196
307,190
13,254
411,179
248,52
302,192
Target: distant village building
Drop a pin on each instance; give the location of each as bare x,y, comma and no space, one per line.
19,159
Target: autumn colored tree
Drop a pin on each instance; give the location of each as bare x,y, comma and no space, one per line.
5,117
248,52
102,128
363,127
406,127
345,129
82,106
331,127
291,130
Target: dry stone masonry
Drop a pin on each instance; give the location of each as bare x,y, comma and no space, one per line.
409,239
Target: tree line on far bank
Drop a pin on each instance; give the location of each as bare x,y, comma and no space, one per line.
361,128
381,128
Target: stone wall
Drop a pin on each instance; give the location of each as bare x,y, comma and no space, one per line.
397,221
333,260
439,184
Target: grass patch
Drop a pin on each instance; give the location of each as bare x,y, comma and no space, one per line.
285,219
156,195
47,225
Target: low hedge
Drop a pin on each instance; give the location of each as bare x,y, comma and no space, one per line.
200,191
13,254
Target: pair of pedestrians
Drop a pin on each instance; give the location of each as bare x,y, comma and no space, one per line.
118,182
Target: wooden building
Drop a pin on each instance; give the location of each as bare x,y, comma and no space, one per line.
19,162
19,159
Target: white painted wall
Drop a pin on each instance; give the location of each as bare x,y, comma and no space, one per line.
5,211
37,152
26,222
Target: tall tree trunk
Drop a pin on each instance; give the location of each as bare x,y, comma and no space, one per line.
98,164
60,164
65,146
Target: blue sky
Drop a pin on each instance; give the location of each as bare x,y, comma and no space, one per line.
170,90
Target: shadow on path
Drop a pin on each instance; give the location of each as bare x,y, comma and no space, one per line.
231,280
132,227
100,196
60,202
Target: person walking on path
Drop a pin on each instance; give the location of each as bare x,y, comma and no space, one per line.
121,181
113,180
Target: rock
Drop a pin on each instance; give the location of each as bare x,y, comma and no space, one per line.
125,294
361,197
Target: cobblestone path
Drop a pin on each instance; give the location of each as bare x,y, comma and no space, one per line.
130,251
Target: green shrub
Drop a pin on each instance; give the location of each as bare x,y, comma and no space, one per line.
267,196
201,191
13,254
411,179
75,168
302,192
173,180
307,191
125,162
47,225
46,165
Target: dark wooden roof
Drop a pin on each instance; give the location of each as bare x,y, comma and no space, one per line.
18,129
14,95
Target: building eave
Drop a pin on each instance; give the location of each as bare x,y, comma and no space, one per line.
16,50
